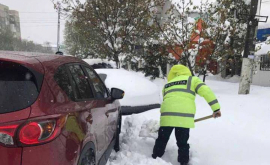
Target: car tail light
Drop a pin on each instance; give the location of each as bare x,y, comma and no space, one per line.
36,132
32,133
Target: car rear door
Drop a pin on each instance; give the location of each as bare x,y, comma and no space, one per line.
102,94
19,89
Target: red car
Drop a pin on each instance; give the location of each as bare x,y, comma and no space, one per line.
55,110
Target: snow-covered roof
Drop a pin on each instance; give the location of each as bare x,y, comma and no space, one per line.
263,47
264,26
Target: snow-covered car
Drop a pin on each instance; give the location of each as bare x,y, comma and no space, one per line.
140,93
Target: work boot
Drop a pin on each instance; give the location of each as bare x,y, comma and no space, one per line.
154,156
184,164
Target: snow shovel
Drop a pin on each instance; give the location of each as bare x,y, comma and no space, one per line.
204,118
150,128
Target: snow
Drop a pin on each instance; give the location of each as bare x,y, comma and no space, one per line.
263,48
264,25
96,61
138,89
247,1
239,137
149,129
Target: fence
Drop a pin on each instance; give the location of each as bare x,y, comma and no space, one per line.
265,63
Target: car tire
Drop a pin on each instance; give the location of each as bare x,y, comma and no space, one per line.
117,134
89,158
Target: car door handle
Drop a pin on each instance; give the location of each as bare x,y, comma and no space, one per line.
89,118
110,111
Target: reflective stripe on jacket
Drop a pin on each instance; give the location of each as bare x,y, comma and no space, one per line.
178,108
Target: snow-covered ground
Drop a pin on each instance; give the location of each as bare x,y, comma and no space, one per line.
240,137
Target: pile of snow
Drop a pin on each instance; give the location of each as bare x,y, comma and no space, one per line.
263,48
239,137
139,90
264,25
150,129
97,61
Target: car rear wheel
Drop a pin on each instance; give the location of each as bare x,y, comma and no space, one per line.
89,158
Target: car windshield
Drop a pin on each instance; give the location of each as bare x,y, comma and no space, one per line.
17,84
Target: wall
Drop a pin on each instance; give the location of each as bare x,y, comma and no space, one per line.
15,21
262,78
4,16
10,19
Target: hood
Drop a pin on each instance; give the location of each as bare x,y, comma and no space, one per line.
178,70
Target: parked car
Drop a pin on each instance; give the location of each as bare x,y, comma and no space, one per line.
55,110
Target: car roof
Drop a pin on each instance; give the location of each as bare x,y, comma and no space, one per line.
31,59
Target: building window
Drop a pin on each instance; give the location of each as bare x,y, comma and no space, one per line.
265,63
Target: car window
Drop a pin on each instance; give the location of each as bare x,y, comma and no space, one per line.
17,85
62,79
99,87
81,84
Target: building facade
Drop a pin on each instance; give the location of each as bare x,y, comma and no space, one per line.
10,19
262,69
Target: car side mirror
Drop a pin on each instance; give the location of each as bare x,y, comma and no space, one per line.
117,93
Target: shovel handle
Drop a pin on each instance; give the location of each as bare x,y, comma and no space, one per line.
204,118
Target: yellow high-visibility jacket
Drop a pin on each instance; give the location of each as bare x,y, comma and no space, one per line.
178,108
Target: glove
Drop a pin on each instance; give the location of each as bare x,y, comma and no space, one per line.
217,114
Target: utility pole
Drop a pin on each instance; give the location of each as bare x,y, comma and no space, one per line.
58,30
249,51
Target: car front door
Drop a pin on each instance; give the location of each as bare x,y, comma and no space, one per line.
93,114
103,97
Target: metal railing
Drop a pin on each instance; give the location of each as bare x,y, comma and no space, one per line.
265,63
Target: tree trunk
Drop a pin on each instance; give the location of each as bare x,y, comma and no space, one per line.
204,75
129,65
116,60
160,71
168,69
223,68
190,67
246,76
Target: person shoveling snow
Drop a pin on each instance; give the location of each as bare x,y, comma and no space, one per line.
178,111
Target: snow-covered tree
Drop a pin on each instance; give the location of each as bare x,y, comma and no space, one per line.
210,31
106,28
225,26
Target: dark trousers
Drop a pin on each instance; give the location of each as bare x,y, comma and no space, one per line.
182,136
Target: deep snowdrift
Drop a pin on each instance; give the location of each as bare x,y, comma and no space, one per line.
138,90
96,61
240,137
